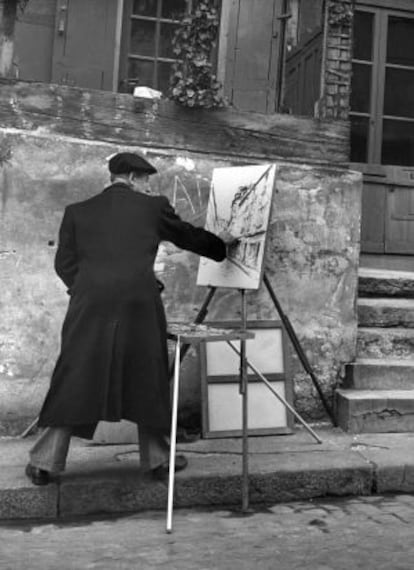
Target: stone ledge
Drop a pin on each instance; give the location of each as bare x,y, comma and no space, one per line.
380,374
385,283
394,343
373,312
375,411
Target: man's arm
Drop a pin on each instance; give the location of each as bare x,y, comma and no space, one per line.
66,259
186,236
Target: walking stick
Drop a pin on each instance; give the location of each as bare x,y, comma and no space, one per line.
173,436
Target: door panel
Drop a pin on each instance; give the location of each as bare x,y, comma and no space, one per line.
253,58
302,81
33,41
387,224
400,230
84,45
372,222
400,212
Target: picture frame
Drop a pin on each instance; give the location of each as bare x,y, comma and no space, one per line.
221,401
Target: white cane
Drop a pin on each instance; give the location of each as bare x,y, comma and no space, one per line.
173,435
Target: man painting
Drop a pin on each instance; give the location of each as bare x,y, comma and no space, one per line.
113,362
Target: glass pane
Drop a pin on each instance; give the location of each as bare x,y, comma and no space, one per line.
399,93
361,87
163,76
141,73
145,8
363,35
400,48
165,47
359,139
173,9
142,38
398,143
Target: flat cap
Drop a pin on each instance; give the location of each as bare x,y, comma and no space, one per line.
126,162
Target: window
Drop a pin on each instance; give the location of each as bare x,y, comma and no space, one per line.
148,33
361,84
382,108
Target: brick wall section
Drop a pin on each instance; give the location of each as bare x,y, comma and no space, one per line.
337,64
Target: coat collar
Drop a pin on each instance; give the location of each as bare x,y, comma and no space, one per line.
118,186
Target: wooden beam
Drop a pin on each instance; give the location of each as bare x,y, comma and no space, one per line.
121,119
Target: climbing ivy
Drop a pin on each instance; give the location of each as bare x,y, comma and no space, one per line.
340,14
193,83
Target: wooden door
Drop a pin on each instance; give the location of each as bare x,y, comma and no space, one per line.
303,76
399,226
251,66
388,210
84,52
382,123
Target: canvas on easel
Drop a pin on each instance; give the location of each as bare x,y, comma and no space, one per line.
240,203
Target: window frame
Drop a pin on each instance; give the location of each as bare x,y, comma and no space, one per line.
126,54
379,67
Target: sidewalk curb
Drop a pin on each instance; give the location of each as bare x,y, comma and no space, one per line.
106,480
124,489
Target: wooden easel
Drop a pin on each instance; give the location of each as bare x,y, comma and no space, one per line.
186,335
194,334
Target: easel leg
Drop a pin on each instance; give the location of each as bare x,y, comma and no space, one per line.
278,396
299,351
173,436
244,394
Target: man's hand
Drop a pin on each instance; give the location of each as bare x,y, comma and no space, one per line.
230,241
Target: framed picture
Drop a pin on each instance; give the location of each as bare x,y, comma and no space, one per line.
221,399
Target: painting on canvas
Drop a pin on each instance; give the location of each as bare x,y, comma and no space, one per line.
240,202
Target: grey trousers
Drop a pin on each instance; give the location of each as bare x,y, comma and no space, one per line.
51,449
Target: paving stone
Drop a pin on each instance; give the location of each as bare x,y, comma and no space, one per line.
224,539
19,499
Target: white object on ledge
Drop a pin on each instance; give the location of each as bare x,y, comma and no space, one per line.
147,93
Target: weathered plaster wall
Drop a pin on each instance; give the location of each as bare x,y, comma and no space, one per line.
312,260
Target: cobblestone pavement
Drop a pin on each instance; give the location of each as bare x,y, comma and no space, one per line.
367,532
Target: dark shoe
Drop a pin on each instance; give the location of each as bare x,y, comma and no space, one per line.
37,476
162,471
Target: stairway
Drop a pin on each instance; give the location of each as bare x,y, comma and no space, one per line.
378,392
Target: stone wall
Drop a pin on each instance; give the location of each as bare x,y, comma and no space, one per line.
337,60
312,263
53,146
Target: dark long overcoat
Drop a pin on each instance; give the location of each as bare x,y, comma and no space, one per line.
113,362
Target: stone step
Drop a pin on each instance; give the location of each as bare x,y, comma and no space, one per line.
393,343
385,312
380,374
385,283
375,411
